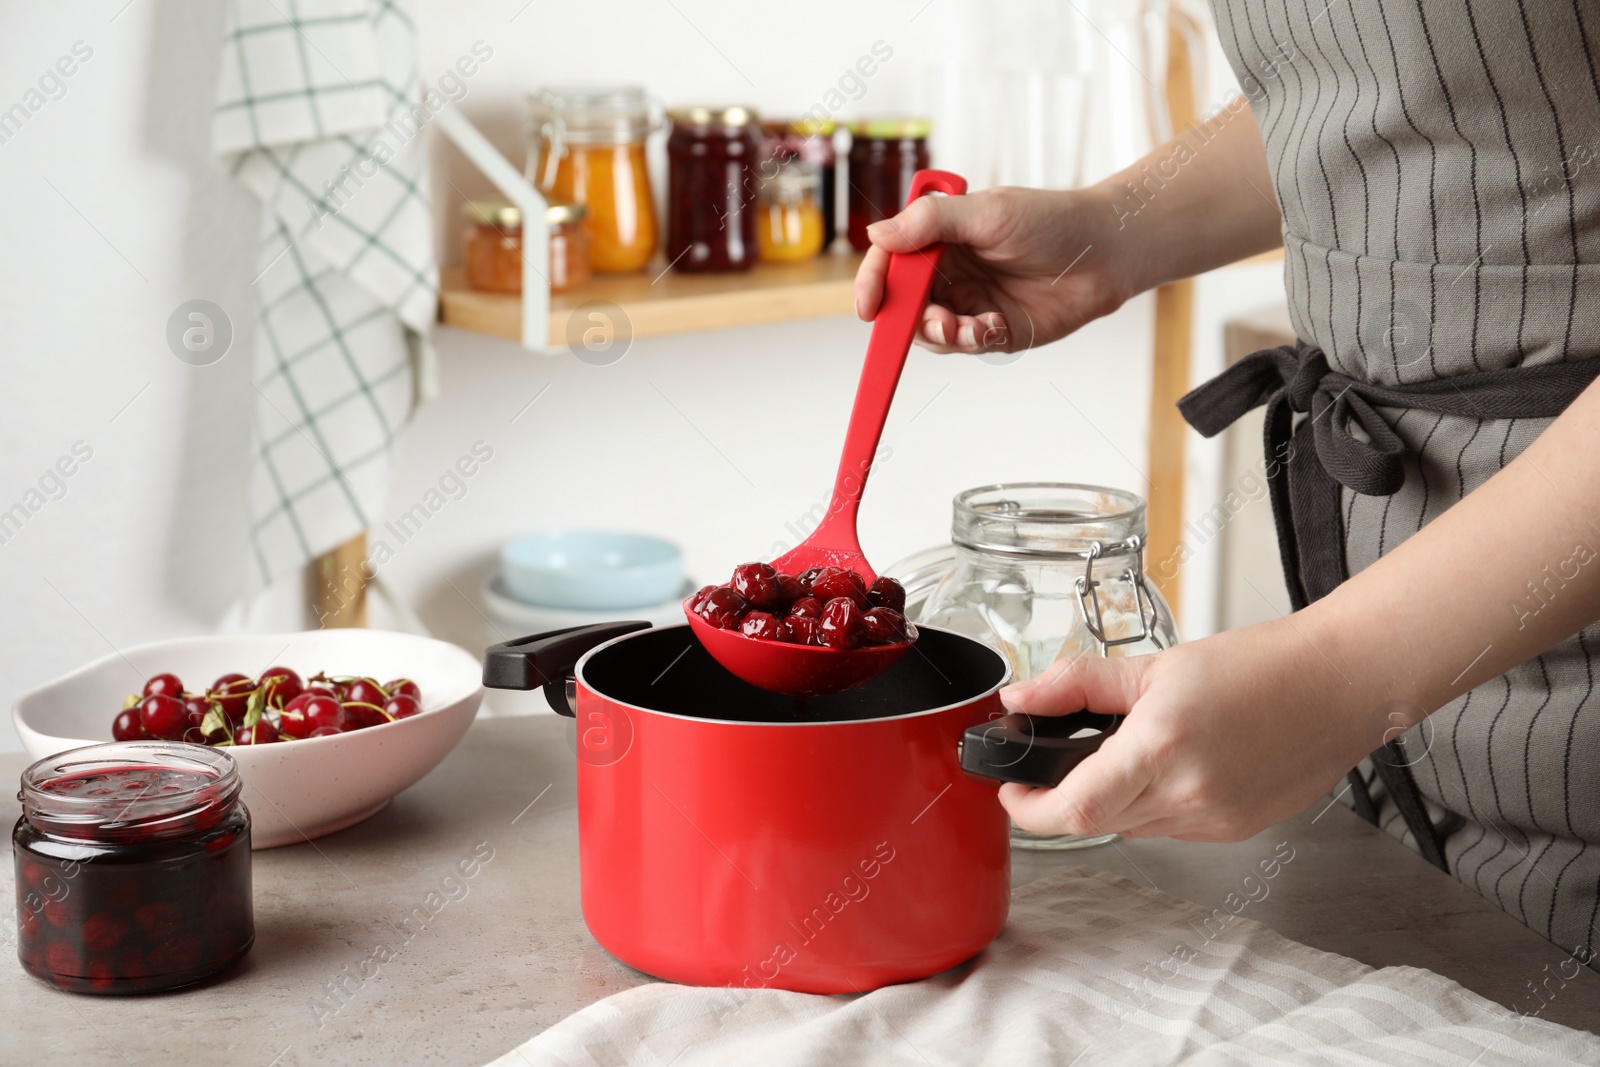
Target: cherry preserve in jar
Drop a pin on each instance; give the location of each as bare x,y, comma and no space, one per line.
133,867
884,156
712,184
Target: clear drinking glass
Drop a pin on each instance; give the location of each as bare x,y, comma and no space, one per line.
1044,571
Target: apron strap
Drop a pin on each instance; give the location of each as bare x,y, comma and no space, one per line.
1309,460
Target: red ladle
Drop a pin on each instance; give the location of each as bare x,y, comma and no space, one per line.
805,670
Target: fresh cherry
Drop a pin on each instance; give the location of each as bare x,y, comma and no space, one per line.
263,732
364,691
326,731
309,712
196,709
163,685
887,593
321,691
757,583
286,687
164,717
127,727
401,706
404,687
834,582
232,691
723,608
841,623
361,716
807,607
760,624
885,626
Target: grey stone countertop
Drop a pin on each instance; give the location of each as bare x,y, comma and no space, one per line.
504,954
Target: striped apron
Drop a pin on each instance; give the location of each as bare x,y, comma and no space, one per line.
1438,169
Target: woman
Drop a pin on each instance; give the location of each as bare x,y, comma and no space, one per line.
1441,225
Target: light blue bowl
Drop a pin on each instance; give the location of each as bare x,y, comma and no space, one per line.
592,570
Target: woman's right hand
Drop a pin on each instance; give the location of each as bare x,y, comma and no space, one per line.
1022,267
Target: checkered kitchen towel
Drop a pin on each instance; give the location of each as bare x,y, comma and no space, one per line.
318,113
1091,970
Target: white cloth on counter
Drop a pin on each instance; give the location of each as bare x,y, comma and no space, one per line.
1091,969
319,114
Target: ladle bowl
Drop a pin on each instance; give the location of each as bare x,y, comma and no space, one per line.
806,670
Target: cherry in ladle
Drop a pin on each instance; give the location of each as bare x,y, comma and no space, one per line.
803,670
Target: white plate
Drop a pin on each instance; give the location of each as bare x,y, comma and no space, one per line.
536,618
295,790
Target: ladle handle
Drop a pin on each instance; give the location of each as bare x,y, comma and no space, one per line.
906,285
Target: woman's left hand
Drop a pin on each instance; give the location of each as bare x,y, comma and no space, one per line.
1223,737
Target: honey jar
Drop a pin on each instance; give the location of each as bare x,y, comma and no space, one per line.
587,147
493,247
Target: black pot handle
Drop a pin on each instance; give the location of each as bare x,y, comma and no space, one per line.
1034,750
547,659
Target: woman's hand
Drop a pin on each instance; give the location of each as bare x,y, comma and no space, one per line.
1023,267
1223,737
1028,266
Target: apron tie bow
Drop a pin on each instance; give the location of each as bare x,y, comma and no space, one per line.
1323,431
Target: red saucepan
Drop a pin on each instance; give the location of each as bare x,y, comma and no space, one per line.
733,836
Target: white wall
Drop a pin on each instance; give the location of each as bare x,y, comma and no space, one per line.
148,540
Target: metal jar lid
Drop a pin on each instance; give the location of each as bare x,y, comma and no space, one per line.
801,127
892,129
727,117
509,216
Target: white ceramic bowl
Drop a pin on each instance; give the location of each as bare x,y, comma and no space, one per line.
295,790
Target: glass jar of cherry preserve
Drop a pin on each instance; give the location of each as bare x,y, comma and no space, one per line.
712,184
1043,571
884,155
133,867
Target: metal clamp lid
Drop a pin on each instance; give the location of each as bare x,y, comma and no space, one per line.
1089,598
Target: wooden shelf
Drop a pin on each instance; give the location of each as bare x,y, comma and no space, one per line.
660,303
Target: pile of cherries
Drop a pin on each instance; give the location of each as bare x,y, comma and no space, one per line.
827,606
278,706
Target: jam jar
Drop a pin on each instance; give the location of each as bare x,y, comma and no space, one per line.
1044,571
712,187
493,246
133,867
811,142
884,155
587,146
789,221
